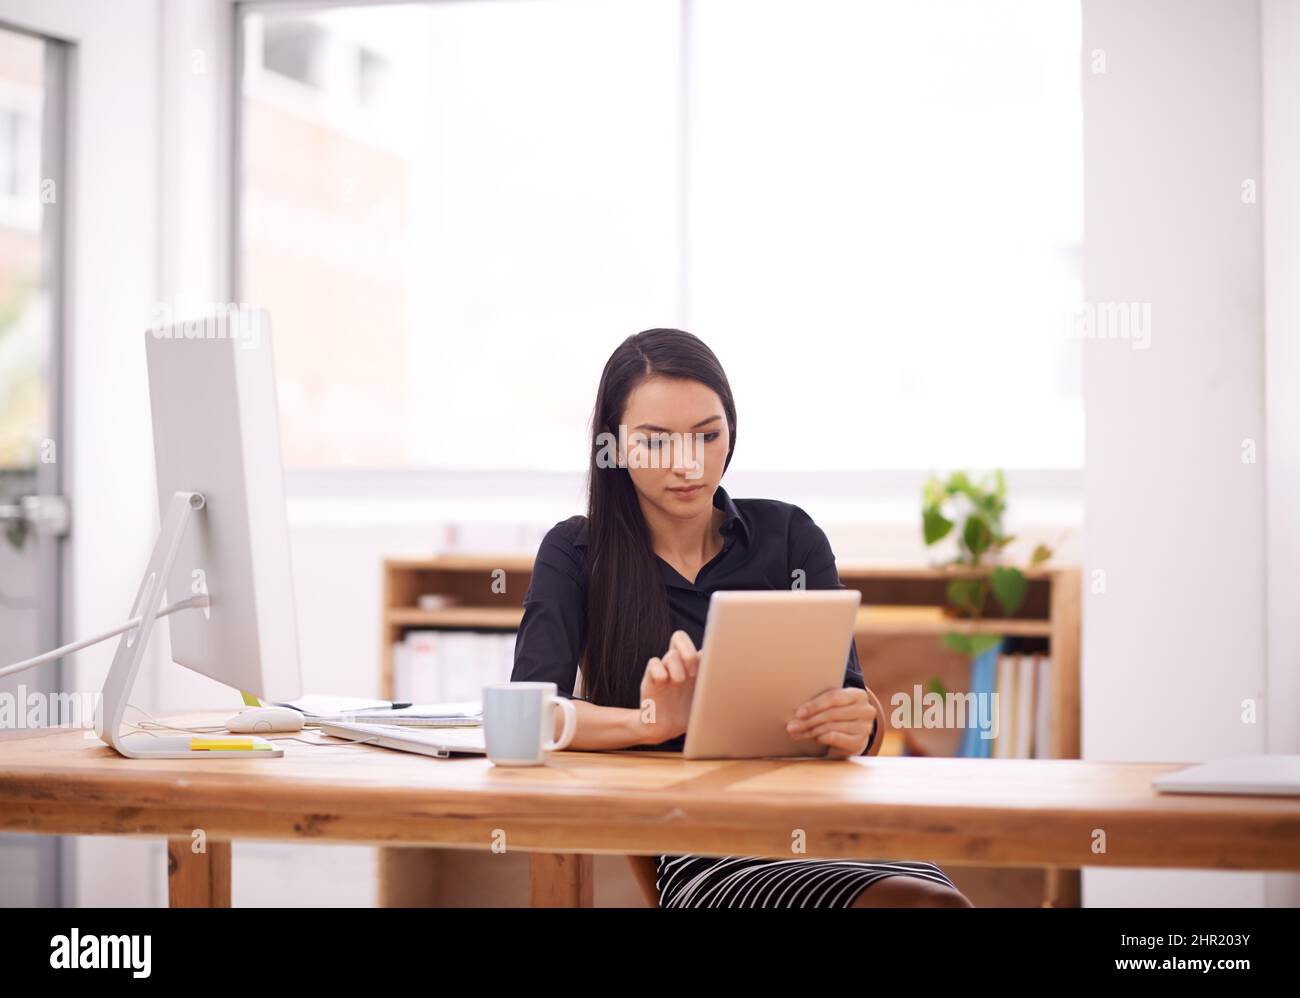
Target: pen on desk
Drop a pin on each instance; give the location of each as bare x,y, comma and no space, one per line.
372,710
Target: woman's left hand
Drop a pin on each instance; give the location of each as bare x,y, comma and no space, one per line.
839,718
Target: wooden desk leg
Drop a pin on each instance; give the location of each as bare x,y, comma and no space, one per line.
198,879
560,880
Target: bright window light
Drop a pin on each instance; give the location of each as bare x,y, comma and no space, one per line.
871,212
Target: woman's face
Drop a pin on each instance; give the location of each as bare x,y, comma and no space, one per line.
677,443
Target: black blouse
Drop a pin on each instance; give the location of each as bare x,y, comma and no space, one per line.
764,542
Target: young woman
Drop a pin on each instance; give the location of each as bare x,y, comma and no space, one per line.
623,593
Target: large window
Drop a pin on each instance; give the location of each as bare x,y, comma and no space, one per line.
871,212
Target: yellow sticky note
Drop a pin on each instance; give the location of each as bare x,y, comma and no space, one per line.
227,744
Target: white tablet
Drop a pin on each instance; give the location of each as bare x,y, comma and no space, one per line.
765,652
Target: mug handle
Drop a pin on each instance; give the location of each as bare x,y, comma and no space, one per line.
570,725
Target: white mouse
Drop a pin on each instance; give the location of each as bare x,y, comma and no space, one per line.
259,720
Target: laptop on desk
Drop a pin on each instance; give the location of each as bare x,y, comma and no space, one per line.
1250,774
441,743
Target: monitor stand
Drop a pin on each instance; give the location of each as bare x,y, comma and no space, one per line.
112,705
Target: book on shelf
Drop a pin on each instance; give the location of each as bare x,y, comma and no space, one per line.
1026,672
1009,716
983,684
1003,702
1043,707
1023,701
440,666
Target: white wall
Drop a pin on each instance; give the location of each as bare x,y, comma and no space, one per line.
1281,83
1281,76
1174,518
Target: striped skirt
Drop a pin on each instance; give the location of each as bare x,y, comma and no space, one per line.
751,882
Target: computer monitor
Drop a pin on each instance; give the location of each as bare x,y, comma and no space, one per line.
225,529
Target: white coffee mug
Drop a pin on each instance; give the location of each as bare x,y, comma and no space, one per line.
518,719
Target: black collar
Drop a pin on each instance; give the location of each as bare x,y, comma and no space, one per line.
734,520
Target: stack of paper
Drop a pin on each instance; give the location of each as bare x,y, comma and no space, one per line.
465,713
323,706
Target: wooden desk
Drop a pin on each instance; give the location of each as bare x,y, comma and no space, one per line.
898,641
1044,813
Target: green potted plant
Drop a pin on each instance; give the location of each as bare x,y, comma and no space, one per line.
978,506
974,508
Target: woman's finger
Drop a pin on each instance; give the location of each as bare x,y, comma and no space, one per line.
856,727
655,671
852,712
850,744
830,698
682,644
673,663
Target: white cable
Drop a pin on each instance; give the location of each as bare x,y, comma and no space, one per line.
50,656
221,727
208,729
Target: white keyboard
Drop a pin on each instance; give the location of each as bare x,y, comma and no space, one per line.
437,742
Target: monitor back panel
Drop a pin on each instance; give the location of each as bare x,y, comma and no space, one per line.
216,431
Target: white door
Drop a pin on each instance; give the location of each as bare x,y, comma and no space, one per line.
106,206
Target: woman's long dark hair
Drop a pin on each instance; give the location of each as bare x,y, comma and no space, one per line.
628,621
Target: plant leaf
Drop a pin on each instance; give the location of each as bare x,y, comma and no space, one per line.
1041,554
957,642
934,524
1009,587
977,534
964,595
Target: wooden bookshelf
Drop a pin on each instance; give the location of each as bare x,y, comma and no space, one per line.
897,638
871,620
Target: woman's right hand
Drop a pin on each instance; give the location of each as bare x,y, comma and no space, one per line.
667,689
